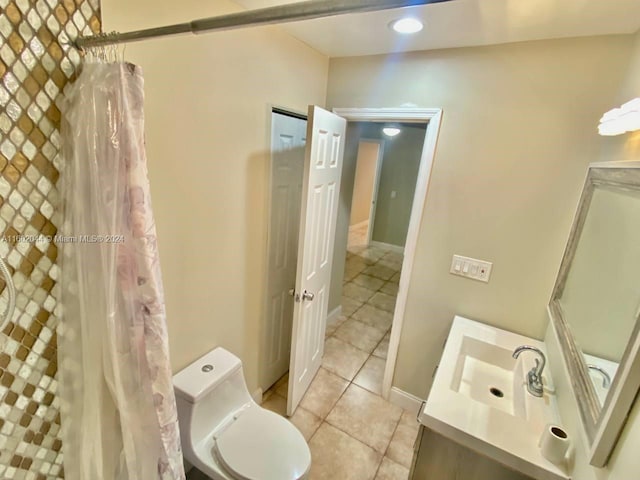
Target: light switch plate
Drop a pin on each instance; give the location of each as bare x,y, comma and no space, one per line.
471,268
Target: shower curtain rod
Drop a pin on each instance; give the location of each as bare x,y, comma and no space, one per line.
264,16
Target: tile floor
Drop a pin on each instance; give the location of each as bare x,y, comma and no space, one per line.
353,433
358,234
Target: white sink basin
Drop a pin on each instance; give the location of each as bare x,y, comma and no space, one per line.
489,374
479,398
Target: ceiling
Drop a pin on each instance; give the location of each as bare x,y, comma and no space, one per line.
463,23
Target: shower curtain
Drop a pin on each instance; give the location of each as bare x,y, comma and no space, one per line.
119,418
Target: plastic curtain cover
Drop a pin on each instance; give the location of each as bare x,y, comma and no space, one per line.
119,417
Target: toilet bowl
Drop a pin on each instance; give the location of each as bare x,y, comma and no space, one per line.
228,436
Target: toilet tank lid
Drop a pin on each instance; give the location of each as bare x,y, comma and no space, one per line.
195,381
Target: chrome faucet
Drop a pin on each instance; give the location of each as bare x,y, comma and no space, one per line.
534,377
606,379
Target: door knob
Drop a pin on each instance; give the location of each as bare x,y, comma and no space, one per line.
307,295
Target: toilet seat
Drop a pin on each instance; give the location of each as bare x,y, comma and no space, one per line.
261,445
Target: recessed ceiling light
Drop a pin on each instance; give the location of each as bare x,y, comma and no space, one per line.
391,131
406,25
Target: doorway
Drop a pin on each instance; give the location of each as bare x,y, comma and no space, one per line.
432,117
384,167
389,247
365,191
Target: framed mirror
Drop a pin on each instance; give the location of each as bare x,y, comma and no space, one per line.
595,305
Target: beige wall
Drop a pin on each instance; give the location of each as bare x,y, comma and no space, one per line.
518,131
627,146
363,183
623,463
208,101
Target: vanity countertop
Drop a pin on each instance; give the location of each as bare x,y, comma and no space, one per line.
479,398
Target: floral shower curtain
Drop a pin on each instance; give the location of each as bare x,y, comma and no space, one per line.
119,418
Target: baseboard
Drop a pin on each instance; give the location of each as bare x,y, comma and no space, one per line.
359,224
334,314
388,246
257,396
407,401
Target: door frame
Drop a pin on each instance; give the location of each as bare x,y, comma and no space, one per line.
432,116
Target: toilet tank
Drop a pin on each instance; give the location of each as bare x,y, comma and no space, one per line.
207,392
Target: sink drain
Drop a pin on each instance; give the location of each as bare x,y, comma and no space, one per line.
496,392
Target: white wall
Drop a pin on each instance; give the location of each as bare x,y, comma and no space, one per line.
207,109
518,130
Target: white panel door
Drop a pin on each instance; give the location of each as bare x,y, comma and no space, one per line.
288,135
318,212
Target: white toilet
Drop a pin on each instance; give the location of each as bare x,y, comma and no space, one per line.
228,436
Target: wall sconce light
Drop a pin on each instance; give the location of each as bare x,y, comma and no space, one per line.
621,120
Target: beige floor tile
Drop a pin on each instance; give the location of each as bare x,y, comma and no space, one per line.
276,404
389,288
393,257
349,306
366,417
390,470
350,275
342,359
379,271
337,456
395,278
367,281
409,419
338,320
357,292
329,330
359,334
334,324
356,250
393,265
306,422
282,386
373,253
371,374
382,349
383,301
373,316
401,447
356,261
323,393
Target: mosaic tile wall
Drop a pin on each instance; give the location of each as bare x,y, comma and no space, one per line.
36,62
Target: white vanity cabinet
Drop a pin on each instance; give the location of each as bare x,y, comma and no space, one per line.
480,420
438,458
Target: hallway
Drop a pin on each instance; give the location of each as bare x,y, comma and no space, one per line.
353,433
